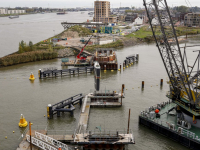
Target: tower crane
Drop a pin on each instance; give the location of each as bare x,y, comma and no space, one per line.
184,88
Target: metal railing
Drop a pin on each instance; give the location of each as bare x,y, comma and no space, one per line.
190,134
171,126
106,92
50,140
109,136
40,144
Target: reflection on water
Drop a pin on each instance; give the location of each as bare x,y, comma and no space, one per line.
19,95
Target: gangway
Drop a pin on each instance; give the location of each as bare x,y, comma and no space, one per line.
45,142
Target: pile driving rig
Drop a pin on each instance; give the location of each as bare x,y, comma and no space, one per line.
183,80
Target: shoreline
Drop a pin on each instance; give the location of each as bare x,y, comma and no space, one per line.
63,51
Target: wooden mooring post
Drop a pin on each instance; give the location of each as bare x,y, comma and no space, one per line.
161,82
128,120
30,135
142,84
122,91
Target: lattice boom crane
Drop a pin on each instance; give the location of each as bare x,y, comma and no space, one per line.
181,86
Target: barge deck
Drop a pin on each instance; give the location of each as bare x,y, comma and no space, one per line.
167,125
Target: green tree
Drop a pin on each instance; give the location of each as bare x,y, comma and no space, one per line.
20,49
31,46
23,44
182,9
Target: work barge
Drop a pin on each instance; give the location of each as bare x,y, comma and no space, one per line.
97,139
167,123
106,57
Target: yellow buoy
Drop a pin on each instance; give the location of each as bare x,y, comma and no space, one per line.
13,131
104,70
5,137
31,77
118,69
44,115
123,67
22,123
112,70
31,123
127,66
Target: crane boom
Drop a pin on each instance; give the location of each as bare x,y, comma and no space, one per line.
167,42
78,56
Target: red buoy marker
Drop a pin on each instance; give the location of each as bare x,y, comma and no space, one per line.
156,111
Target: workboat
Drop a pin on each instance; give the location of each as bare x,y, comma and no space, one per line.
61,13
12,17
97,75
91,13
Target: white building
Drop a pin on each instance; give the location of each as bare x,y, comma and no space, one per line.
15,11
139,21
3,11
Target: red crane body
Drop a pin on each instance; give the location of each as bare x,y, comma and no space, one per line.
78,56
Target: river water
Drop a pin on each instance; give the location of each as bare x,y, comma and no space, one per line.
20,96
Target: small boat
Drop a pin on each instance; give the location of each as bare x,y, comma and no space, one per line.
91,13
12,17
61,13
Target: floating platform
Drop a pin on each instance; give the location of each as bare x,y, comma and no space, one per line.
166,123
49,73
107,58
106,98
131,59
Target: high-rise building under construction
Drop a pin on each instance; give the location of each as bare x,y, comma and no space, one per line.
102,12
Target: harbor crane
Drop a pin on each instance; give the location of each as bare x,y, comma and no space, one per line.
184,82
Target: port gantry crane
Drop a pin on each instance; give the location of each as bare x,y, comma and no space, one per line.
184,88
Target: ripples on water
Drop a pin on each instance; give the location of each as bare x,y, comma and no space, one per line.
18,95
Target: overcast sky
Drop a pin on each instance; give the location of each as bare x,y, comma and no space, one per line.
85,3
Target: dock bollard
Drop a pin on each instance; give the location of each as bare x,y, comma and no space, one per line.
137,57
49,112
142,84
161,82
120,67
124,65
39,73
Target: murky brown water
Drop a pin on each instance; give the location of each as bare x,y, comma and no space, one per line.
18,95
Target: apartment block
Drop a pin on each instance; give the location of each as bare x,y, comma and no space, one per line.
102,12
192,19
